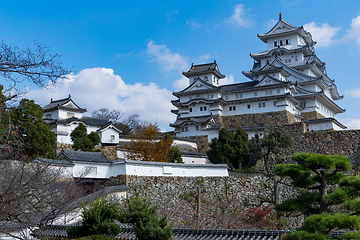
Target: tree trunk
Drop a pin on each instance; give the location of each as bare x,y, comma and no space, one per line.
323,185
198,207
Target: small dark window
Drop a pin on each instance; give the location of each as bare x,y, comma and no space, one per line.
190,109
234,108
201,108
275,103
248,106
287,41
263,104
204,108
259,105
275,44
230,108
281,43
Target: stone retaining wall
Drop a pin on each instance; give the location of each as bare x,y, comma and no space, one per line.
220,196
258,119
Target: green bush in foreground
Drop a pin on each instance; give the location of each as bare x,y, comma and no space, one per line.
147,224
98,218
329,197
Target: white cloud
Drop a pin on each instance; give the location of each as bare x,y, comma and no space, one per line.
166,60
323,34
270,24
202,59
239,18
227,80
350,123
96,88
354,32
353,93
194,25
181,83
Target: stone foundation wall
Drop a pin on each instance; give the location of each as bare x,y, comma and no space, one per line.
324,142
220,197
202,143
259,119
311,115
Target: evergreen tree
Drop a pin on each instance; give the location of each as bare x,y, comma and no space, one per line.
83,141
98,218
38,139
230,148
325,191
147,224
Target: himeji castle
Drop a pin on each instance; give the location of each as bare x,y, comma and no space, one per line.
288,84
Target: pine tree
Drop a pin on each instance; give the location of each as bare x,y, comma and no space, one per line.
83,141
147,224
230,148
325,190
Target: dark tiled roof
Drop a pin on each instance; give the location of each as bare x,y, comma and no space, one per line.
95,157
238,86
86,120
204,68
127,232
60,104
62,162
188,154
201,119
107,125
325,120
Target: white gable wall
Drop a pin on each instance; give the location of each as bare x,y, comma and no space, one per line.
109,135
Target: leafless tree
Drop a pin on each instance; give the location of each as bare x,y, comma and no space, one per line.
113,115
32,195
35,65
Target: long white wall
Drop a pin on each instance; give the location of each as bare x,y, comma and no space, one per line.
142,168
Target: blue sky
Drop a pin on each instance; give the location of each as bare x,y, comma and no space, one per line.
129,55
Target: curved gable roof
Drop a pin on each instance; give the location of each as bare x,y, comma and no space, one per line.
65,104
203,69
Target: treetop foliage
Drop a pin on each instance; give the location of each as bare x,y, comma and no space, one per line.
147,144
83,141
329,196
98,218
147,224
230,148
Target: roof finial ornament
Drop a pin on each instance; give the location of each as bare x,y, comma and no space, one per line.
51,100
214,61
280,16
69,96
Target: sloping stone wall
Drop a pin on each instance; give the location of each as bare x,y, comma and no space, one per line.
345,142
220,196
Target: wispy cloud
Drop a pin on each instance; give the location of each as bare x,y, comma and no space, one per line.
355,93
194,25
227,80
239,17
181,83
354,32
202,59
351,123
269,24
96,88
167,60
322,33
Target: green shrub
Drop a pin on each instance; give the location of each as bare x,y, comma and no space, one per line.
147,225
98,218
